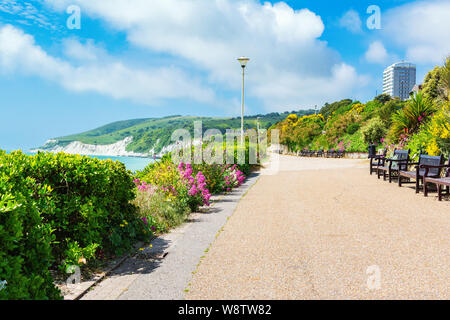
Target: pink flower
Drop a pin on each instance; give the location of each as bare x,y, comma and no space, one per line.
193,191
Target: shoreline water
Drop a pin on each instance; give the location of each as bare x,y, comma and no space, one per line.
131,163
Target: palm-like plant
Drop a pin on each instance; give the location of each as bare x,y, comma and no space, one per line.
413,115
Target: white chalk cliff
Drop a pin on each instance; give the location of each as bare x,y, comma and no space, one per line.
117,149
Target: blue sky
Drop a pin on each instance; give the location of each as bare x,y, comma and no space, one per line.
164,57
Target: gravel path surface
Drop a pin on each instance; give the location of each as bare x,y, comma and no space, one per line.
310,232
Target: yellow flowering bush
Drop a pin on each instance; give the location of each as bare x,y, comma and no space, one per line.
299,132
318,117
433,149
440,124
357,109
434,138
293,118
440,129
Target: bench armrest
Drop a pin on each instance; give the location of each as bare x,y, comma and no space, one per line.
424,166
428,167
396,160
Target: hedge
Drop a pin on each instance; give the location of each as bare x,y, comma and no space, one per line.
58,210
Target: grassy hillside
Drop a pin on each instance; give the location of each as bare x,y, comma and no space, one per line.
155,133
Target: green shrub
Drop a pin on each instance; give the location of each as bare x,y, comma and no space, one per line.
25,240
353,127
355,142
387,111
373,131
90,205
418,143
87,203
160,213
338,127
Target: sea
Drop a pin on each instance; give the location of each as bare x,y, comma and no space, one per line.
131,163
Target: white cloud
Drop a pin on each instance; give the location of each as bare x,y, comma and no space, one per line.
83,52
344,82
351,21
376,53
19,53
421,29
25,13
208,35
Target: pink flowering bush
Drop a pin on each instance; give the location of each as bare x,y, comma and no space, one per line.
196,184
233,177
158,212
164,187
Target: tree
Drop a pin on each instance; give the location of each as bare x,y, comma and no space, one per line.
445,79
432,83
383,98
374,130
386,111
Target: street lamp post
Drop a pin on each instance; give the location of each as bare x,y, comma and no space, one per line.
243,61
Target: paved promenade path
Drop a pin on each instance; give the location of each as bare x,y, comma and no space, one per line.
326,229
163,271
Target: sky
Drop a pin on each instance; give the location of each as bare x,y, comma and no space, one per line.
67,66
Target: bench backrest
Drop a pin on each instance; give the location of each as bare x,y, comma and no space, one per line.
447,174
400,155
431,161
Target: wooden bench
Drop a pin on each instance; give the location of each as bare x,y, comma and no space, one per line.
379,161
392,166
418,174
439,182
339,154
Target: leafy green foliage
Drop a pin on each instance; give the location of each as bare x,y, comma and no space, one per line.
59,210
353,127
328,109
432,83
386,112
409,119
445,79
337,127
383,98
373,131
160,212
25,239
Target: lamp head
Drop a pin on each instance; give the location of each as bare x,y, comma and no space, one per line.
243,61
